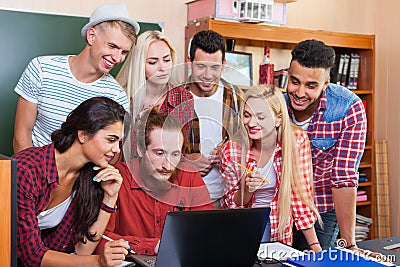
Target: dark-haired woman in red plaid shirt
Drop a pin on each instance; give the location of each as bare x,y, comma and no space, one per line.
67,190
270,166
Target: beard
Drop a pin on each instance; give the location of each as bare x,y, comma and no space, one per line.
152,182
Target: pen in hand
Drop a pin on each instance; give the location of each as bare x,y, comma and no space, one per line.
251,172
109,239
221,144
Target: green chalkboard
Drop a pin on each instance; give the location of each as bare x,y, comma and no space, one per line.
25,35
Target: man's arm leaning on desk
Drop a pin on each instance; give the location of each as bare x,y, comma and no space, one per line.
349,149
345,207
25,118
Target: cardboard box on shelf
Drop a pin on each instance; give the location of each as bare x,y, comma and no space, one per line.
255,11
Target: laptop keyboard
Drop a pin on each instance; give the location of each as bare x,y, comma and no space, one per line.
151,262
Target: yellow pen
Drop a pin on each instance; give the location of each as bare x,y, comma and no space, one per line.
251,172
221,144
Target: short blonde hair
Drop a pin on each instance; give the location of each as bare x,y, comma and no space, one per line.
126,28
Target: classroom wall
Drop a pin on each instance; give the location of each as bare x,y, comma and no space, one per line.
387,95
355,16
143,10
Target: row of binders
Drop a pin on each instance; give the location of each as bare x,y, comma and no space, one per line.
345,71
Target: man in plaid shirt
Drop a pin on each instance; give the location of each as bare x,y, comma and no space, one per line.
216,105
336,123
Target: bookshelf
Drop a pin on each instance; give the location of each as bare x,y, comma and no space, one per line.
259,35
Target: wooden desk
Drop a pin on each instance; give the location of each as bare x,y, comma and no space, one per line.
8,216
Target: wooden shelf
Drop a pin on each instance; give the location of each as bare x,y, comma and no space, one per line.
365,165
258,34
364,184
364,203
362,92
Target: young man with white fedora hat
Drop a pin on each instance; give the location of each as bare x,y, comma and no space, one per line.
52,86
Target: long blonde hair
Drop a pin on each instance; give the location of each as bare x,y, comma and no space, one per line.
132,76
291,177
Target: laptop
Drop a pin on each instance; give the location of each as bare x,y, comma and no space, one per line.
201,238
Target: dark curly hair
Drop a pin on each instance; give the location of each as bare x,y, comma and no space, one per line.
90,116
314,54
209,41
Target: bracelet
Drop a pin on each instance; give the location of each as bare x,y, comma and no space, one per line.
312,244
351,246
108,209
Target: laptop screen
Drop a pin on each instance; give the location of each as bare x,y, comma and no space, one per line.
228,237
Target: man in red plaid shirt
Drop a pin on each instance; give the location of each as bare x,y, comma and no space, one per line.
336,123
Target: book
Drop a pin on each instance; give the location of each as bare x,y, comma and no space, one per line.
361,198
362,178
345,74
334,70
281,78
361,192
339,72
354,68
363,219
362,226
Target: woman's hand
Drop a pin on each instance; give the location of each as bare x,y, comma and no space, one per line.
316,247
110,180
114,253
254,182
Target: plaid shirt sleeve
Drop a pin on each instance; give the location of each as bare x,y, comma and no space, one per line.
231,173
31,248
179,104
303,216
350,147
37,177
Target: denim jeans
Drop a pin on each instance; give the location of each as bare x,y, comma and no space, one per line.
267,232
326,236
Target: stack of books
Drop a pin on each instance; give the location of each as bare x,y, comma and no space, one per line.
362,227
362,196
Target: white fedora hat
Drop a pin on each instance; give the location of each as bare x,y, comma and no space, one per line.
109,12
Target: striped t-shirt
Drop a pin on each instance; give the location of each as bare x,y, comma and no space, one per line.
49,83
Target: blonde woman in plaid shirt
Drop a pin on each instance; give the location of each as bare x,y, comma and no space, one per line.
149,78
272,149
